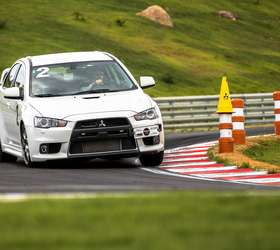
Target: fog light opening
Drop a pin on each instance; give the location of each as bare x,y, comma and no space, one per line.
50,148
44,149
151,141
156,140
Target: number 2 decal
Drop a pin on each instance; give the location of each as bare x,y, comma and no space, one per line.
43,72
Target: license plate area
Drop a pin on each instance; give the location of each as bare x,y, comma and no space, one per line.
98,146
102,146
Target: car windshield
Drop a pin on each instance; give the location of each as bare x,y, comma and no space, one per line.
79,78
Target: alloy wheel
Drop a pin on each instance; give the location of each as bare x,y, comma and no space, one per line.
25,147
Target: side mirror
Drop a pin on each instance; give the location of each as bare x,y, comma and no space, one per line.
12,93
147,81
3,75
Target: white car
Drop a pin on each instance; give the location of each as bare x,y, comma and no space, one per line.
74,105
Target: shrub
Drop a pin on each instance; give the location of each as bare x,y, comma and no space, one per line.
168,78
78,16
210,154
3,24
213,157
273,171
245,165
120,22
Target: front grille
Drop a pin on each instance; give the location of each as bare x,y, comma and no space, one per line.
101,123
102,136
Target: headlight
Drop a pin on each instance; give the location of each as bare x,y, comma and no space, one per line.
148,114
44,122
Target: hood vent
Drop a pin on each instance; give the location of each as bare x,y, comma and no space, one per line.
91,97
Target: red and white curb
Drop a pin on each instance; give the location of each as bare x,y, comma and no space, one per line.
193,162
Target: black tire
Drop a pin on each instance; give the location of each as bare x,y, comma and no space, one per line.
151,160
4,157
25,148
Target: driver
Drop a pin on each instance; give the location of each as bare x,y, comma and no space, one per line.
94,78
99,78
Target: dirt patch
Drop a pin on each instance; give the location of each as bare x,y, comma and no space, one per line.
238,158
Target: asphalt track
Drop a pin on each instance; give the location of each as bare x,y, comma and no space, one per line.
112,176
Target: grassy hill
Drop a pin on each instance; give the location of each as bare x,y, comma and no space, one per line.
186,60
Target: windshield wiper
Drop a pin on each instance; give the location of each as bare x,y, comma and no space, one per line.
93,91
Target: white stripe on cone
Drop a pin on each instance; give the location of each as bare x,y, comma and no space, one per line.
277,104
238,125
224,118
225,133
277,117
238,112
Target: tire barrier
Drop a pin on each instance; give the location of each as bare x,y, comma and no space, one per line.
225,140
276,98
238,119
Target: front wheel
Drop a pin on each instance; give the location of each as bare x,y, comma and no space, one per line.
25,148
151,160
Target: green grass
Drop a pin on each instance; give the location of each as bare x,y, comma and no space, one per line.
265,151
213,157
182,220
189,59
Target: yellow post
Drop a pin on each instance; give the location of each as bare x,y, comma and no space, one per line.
224,105
225,122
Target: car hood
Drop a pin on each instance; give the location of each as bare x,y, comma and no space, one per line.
129,102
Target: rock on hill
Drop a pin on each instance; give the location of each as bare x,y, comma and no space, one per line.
157,14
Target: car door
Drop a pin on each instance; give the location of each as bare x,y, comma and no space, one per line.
7,107
15,107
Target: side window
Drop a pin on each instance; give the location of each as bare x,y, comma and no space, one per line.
20,77
3,76
9,81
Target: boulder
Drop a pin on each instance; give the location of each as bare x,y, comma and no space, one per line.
228,15
156,14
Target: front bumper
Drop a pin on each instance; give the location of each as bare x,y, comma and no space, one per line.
63,136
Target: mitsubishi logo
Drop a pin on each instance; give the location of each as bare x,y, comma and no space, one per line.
101,124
